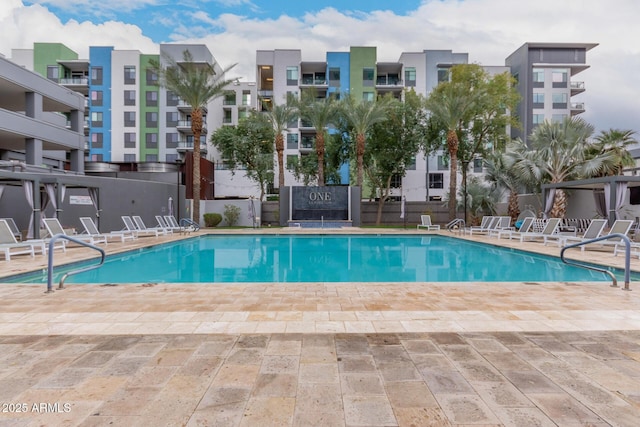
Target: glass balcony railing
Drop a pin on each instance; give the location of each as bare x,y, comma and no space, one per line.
76,81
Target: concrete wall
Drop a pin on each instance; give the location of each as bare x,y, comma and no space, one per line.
218,206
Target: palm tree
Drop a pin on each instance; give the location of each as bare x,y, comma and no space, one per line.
319,112
616,142
197,85
450,105
498,171
280,116
361,116
560,151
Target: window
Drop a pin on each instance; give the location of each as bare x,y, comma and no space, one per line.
229,98
477,165
151,140
538,77
129,74
152,98
292,76
558,118
396,181
410,76
243,114
129,140
96,157
96,98
172,99
151,158
129,157
559,77
129,118
436,180
171,158
152,78
96,119
538,119
97,140
560,100
367,96
368,76
172,118
411,165
538,100
246,97
226,118
53,73
292,141
443,74
129,97
171,140
443,163
334,77
151,119
96,76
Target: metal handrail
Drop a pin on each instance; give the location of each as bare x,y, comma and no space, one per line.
627,261
50,262
456,221
189,222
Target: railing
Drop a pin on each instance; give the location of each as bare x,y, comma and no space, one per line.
627,261
456,222
50,262
188,222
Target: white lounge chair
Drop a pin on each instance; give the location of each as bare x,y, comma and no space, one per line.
425,222
620,226
162,223
54,227
10,246
14,228
492,224
504,224
91,229
550,228
130,226
140,225
512,233
593,231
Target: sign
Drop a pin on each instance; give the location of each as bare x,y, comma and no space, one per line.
80,200
316,203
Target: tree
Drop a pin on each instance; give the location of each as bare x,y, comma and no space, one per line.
560,151
616,142
320,113
249,145
361,116
472,110
502,176
280,116
197,85
394,143
481,199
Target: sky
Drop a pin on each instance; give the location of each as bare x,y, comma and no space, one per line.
489,30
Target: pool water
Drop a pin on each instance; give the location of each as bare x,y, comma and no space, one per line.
322,258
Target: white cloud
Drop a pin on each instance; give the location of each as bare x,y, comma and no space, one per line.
489,30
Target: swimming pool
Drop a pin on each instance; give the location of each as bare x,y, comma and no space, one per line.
322,258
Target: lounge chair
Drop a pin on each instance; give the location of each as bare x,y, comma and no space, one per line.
486,220
14,228
91,229
512,233
425,222
166,227
493,222
173,223
550,228
54,227
504,224
620,226
130,226
593,230
10,246
140,225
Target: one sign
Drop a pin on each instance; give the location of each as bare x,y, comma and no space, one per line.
80,200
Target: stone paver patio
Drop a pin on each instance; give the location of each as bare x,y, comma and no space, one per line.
459,354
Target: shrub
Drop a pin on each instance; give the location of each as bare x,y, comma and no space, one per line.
212,219
231,214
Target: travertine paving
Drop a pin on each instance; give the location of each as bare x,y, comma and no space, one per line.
348,354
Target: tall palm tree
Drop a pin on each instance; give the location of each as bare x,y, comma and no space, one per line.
616,142
560,151
450,106
500,174
196,84
280,115
361,116
319,112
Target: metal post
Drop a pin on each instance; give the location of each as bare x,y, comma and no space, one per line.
465,164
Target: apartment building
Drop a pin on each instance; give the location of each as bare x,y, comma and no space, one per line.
544,72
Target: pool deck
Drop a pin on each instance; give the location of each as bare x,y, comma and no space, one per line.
325,354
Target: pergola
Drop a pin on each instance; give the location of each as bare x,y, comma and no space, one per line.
611,188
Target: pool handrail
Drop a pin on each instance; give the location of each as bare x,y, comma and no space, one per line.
456,221
189,222
50,260
627,260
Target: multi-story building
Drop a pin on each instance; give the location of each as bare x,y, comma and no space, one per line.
544,72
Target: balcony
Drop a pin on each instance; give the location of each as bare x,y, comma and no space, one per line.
186,108
74,81
184,126
388,81
577,108
188,146
307,144
577,87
